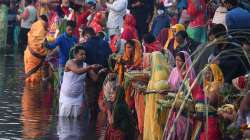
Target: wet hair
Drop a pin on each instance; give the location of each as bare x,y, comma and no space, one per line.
181,55
218,30
71,23
44,18
78,48
149,38
232,2
89,30
131,43
182,34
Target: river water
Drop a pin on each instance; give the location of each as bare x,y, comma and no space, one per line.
28,112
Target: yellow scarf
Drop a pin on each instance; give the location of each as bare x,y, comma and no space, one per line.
174,29
218,79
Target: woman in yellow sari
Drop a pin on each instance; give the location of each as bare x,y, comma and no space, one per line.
130,60
171,43
35,52
153,122
213,81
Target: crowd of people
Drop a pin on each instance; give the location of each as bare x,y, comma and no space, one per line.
157,69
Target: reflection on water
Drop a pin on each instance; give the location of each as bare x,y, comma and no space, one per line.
36,111
29,112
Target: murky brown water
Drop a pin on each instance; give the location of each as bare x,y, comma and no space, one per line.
28,112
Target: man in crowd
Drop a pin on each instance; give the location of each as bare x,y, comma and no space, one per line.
236,18
98,52
64,42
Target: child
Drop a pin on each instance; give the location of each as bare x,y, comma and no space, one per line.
72,90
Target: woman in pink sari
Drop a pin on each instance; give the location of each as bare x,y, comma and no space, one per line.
181,74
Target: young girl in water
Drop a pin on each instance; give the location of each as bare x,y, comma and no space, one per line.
72,90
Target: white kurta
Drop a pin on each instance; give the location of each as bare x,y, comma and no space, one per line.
72,94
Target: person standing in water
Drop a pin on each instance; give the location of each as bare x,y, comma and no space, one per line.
71,99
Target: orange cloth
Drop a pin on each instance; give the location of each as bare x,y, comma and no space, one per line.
137,60
140,110
36,37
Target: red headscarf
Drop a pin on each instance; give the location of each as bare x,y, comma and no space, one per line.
96,22
129,28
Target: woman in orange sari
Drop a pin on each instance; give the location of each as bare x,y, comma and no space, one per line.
131,60
35,53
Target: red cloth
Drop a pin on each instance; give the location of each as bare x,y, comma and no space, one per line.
163,36
114,38
114,134
213,130
197,16
155,46
65,10
96,22
129,27
81,21
197,92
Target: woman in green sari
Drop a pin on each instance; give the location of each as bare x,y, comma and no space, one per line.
3,24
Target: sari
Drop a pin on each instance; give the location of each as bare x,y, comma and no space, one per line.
175,81
3,25
174,29
136,62
212,87
153,121
35,53
218,79
129,26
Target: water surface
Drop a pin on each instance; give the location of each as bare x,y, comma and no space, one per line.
29,112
